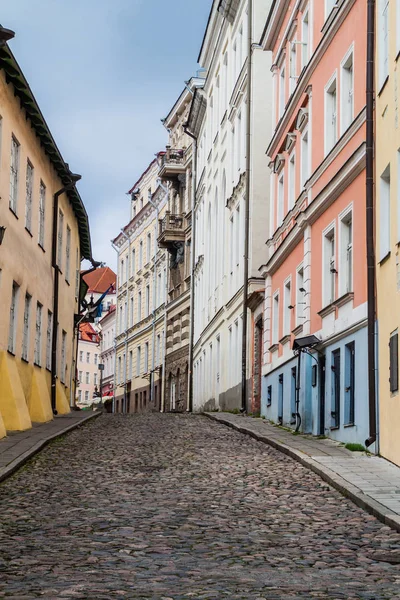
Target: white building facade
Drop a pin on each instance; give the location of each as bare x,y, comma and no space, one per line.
220,209
107,324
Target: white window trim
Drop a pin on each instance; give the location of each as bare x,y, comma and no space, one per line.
304,133
331,228
300,297
384,249
291,184
287,313
334,78
349,52
275,322
342,269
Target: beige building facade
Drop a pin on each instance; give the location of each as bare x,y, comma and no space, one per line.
32,171
141,297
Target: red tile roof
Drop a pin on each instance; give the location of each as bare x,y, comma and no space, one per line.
100,279
88,334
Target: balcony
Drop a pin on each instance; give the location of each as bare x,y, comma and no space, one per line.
172,164
171,229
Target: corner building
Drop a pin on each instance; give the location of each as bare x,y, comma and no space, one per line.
218,116
315,273
32,170
141,297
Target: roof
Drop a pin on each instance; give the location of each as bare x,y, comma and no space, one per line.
100,280
88,334
15,76
133,188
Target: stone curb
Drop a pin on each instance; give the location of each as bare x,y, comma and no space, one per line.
382,513
14,465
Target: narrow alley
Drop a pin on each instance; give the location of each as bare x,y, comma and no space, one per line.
178,506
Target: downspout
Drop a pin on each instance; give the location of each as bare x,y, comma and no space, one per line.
116,325
371,270
193,266
124,405
247,209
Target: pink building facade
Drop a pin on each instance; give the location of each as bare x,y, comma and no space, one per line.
315,272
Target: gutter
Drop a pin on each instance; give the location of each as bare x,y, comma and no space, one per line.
370,215
193,267
243,408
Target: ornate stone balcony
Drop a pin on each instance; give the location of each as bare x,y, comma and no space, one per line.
172,163
171,230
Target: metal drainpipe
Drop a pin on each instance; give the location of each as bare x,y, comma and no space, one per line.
247,209
371,269
193,265
116,325
166,191
153,358
126,324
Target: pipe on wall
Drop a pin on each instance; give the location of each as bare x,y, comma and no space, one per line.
370,216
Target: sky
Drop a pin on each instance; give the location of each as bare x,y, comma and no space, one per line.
104,73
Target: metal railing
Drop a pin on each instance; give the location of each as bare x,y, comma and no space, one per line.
172,156
174,222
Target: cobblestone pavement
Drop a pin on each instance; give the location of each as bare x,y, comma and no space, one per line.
180,507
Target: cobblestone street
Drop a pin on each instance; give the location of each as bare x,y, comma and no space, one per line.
174,507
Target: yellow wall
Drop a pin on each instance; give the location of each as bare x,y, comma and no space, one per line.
25,388
388,294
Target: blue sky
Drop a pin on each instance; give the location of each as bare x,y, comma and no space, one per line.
104,73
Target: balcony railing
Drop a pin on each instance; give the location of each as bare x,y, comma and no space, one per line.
172,163
171,229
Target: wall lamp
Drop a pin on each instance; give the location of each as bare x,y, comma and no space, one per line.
2,232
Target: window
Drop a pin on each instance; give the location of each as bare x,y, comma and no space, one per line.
335,403
139,306
158,349
122,272
132,308
300,296
397,26
80,377
349,383
42,206
14,174
60,238
80,395
25,334
127,269
138,360
287,310
281,200
88,357
269,395
86,396
282,91
125,315
238,240
77,275
38,335
347,93
133,265
95,378
67,253
81,356
159,289
275,319
394,362
304,158
96,359
330,115
141,254
130,364
232,242
146,357
119,374
384,217
383,41
329,5
49,332
305,39
329,268
63,356
293,66
148,248
346,254
147,300
292,181
28,199
87,378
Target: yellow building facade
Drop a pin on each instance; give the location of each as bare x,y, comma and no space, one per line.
32,170
387,170
141,297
